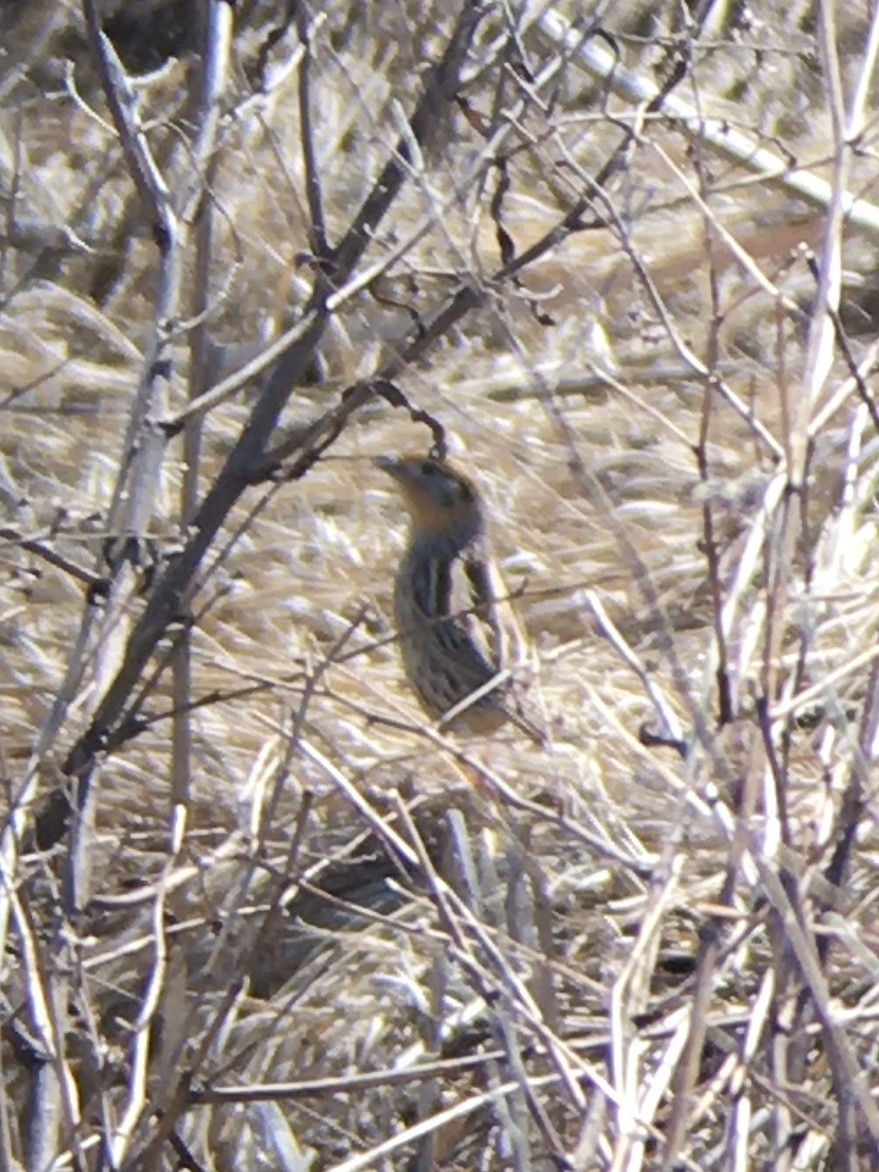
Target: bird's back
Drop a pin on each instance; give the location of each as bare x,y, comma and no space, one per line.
446,633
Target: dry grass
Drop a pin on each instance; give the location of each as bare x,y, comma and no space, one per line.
286,925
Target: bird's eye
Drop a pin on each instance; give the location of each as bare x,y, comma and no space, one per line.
428,469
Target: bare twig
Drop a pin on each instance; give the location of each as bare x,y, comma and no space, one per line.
715,132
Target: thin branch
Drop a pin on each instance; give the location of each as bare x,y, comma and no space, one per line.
317,225
716,133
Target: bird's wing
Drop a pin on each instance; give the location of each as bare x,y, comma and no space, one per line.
481,633
493,620
490,612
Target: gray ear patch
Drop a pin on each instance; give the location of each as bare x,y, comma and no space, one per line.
449,493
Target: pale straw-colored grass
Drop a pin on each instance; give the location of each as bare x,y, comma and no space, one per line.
604,940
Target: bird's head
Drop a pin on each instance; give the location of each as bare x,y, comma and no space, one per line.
440,498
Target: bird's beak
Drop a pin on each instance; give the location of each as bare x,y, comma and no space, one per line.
400,471
389,464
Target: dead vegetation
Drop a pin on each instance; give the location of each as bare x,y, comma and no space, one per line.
255,913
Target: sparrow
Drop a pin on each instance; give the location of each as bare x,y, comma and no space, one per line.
459,636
